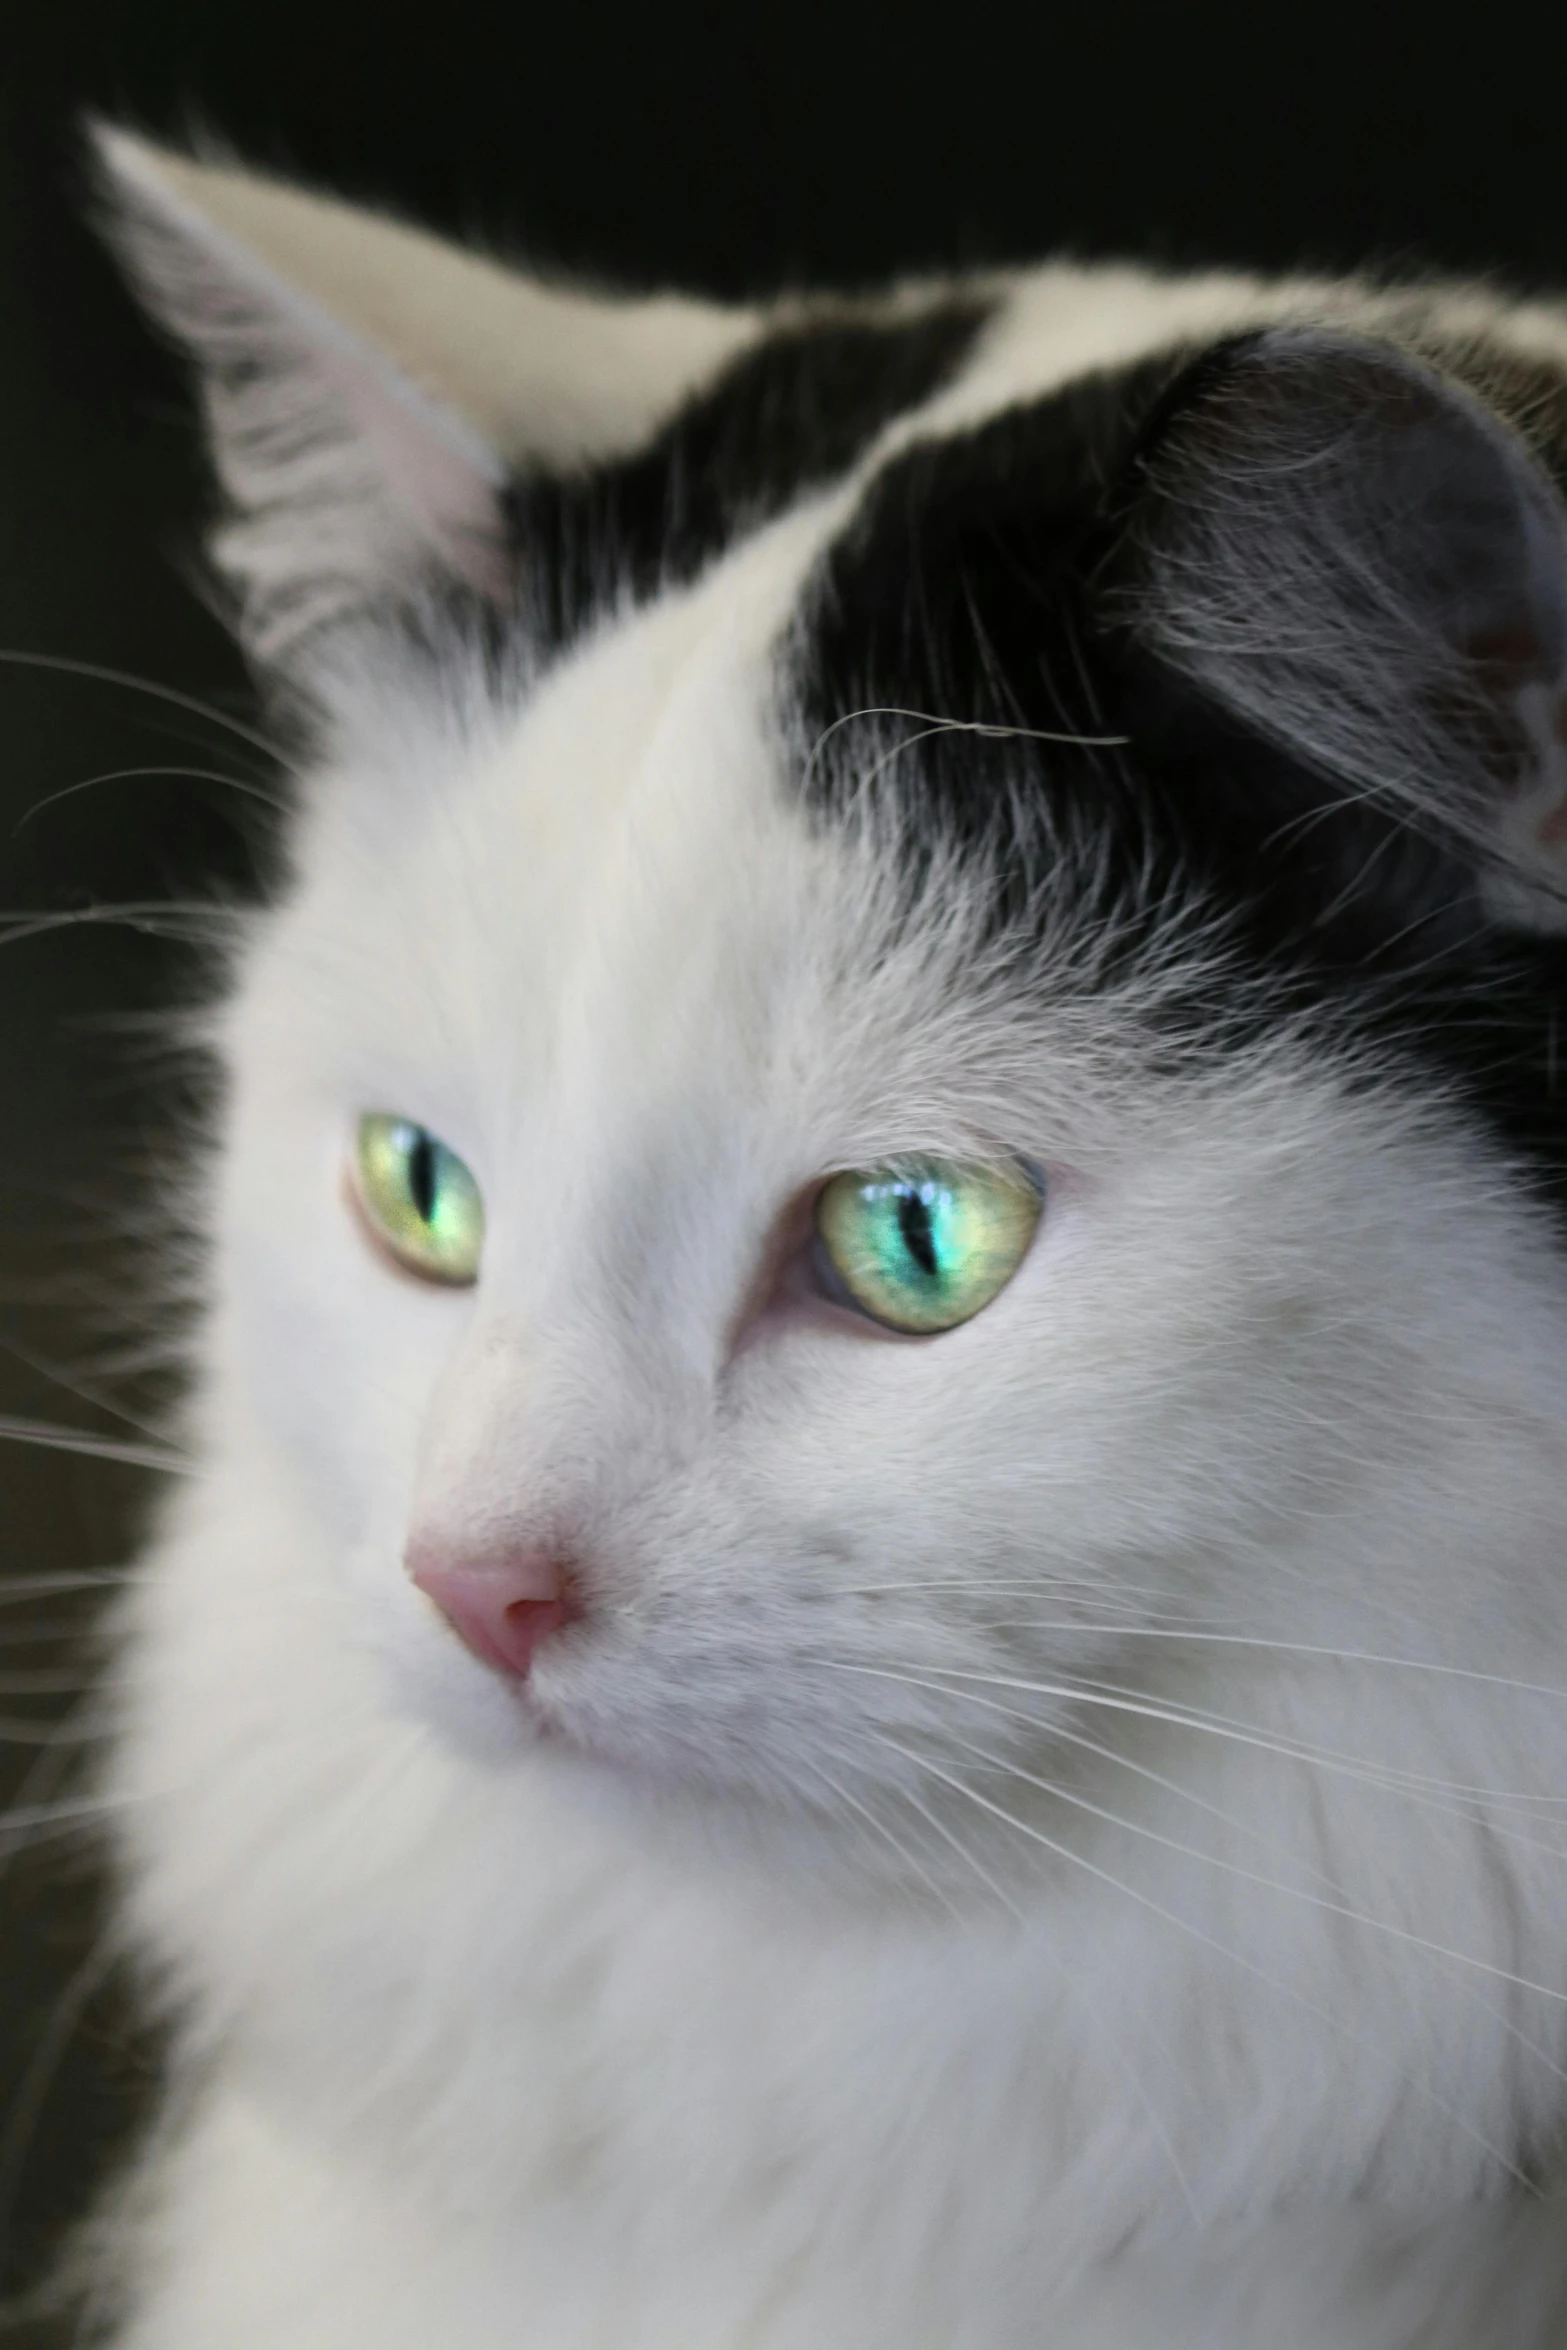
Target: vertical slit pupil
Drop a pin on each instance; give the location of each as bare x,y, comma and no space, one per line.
915,1228
421,1176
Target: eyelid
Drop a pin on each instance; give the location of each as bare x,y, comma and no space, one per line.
829,1281
352,1193
788,1239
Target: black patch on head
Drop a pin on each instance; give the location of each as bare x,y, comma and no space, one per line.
785,417
986,580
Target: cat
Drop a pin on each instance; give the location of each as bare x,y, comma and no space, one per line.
868,1648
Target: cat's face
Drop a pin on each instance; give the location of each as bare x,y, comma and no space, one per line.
663,928
598,948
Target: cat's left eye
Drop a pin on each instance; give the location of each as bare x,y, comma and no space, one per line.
921,1248
418,1199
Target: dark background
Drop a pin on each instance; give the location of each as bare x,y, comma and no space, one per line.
726,147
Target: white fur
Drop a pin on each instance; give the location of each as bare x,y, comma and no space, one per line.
367,384
676,2007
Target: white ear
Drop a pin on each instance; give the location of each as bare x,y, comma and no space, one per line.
370,389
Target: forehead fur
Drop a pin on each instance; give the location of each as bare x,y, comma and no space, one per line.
839,649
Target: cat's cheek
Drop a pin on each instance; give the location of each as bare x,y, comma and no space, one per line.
338,1376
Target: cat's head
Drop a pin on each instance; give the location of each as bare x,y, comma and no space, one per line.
909,1068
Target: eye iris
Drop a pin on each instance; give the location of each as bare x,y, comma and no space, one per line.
419,1198
924,1250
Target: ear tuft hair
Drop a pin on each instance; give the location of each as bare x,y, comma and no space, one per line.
369,389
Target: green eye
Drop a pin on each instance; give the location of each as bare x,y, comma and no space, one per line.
922,1248
419,1198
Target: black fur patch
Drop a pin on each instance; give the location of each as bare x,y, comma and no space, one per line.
984,580
783,418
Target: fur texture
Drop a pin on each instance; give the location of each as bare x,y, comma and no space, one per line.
1048,1833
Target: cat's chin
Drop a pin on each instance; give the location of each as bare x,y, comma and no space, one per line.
705,1804
494,1718
734,1832
476,1713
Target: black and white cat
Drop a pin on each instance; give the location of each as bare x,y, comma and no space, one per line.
870,1652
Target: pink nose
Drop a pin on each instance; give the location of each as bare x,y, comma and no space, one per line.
502,1604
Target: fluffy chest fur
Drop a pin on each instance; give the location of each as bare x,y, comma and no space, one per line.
1043,1830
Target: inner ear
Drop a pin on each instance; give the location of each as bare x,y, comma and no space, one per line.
1351,552
344,478
371,390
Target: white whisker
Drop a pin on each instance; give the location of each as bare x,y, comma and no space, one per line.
191,919
1253,1835
1230,1868
50,1438
1115,1700
986,730
85,1391
1304,1755
32,2090
66,1812
1182,1925
44,1683
1304,1648
1075,1989
16,1590
880,1829
16,1730
96,673
251,791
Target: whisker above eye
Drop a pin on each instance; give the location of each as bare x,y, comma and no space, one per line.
933,723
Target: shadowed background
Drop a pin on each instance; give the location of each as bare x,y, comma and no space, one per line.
728,148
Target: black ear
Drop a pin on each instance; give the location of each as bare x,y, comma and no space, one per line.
1355,557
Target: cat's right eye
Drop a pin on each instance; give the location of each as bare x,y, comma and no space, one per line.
418,1199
